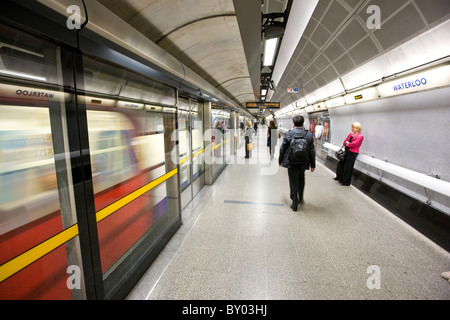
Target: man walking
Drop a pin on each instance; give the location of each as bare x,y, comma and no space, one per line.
297,154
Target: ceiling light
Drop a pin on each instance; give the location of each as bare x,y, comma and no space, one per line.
263,92
23,75
299,17
269,51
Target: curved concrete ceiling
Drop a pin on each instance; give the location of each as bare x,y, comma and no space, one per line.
337,40
203,34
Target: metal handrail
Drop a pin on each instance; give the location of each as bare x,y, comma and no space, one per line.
429,183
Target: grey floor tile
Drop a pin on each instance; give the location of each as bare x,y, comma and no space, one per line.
208,285
282,289
233,245
245,288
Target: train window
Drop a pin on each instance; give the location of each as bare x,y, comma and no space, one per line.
184,138
135,183
191,146
219,128
115,81
149,91
19,60
197,139
227,135
154,123
36,201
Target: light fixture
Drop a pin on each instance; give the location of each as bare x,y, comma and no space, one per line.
270,48
264,92
273,28
23,75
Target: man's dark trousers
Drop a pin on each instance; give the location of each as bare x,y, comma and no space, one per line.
297,184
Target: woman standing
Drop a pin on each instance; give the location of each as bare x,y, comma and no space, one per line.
272,138
352,144
248,139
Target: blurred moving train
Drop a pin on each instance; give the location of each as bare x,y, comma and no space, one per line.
130,141
29,199
86,133
28,165
107,140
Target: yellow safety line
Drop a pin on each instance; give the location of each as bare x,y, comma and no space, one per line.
215,147
185,159
28,257
102,214
201,151
198,152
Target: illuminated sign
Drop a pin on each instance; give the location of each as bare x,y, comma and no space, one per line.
336,102
263,105
29,93
130,105
361,96
37,94
430,79
89,100
293,90
410,84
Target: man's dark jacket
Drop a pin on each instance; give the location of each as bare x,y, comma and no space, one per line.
284,149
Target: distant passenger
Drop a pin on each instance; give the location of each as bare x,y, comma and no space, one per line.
248,139
272,138
297,154
255,126
352,144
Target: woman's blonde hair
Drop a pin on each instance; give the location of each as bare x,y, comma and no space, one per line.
358,126
249,123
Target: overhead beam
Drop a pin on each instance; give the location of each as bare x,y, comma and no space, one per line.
249,18
299,16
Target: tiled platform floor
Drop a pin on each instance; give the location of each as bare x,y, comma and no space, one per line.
241,241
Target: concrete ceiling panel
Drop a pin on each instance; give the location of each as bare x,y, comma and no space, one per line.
202,34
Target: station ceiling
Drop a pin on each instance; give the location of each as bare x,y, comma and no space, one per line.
205,35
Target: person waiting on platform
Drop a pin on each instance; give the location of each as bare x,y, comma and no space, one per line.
297,154
344,170
272,138
255,126
248,139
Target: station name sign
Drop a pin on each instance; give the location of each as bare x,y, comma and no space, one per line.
263,105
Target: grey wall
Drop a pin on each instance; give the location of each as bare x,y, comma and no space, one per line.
410,131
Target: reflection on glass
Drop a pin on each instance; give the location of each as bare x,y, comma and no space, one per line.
126,155
197,139
130,143
220,121
184,146
29,203
31,198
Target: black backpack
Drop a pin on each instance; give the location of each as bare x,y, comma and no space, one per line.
299,150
